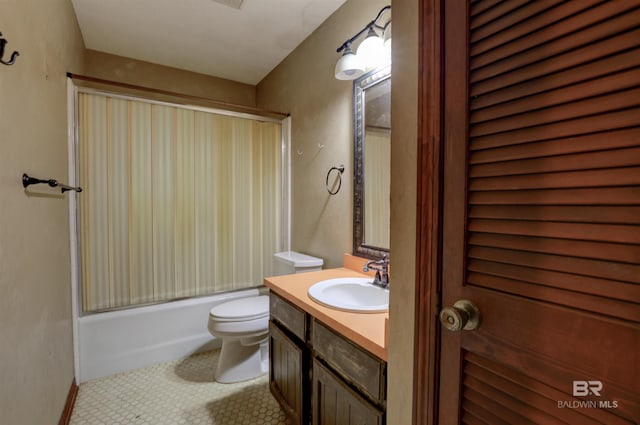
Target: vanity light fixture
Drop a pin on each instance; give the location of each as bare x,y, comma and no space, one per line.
349,66
374,51
371,50
386,37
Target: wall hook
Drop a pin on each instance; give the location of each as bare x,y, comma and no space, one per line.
14,55
27,180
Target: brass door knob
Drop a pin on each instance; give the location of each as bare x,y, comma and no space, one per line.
464,315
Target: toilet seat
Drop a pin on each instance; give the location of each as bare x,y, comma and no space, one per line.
241,310
241,318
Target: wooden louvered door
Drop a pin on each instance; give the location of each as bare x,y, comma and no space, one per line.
541,201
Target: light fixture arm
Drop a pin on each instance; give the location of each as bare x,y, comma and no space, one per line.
370,25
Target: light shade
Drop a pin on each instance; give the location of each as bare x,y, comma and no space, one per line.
387,36
349,66
371,50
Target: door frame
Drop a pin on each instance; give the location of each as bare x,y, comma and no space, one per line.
428,212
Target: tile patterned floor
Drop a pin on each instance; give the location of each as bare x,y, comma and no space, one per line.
178,392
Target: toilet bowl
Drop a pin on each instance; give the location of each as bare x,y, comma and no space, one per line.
243,326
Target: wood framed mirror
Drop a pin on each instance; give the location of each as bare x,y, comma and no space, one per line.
372,168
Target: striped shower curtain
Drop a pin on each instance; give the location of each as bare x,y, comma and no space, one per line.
178,202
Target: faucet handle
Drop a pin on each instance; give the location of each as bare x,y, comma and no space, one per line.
369,265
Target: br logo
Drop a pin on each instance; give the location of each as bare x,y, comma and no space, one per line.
586,388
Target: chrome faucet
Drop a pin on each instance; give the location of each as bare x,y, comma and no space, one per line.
382,271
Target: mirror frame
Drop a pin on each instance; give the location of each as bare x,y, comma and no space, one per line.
360,85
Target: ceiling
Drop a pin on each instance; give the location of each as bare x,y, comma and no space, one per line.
206,36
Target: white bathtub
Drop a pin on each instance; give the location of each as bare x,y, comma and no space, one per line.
118,341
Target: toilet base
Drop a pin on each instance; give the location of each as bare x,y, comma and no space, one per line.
238,362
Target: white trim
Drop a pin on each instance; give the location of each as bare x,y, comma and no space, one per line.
73,231
178,105
286,181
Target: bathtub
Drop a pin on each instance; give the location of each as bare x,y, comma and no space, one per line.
122,340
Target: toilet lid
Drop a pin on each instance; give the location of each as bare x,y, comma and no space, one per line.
242,309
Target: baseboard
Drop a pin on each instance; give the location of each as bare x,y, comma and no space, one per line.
65,418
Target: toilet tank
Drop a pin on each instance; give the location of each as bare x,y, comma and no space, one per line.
290,262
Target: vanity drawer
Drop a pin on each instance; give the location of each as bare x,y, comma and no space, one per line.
288,315
356,365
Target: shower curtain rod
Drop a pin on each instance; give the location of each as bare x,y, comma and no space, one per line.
256,111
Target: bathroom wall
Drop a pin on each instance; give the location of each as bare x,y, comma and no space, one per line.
36,358
321,131
132,71
321,109
404,154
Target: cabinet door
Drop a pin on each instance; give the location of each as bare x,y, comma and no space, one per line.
334,403
358,367
286,373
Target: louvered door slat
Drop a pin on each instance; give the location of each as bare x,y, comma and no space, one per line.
468,419
502,31
477,377
586,214
520,399
580,266
572,248
502,411
494,94
576,127
557,279
500,9
620,234
594,160
616,139
559,37
627,176
509,400
480,6
572,58
480,414
546,112
567,97
605,196
578,300
536,387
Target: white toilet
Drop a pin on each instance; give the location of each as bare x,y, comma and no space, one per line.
243,325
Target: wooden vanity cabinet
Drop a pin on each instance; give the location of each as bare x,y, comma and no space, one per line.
289,359
318,376
288,362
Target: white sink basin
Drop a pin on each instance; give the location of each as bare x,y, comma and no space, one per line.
354,294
